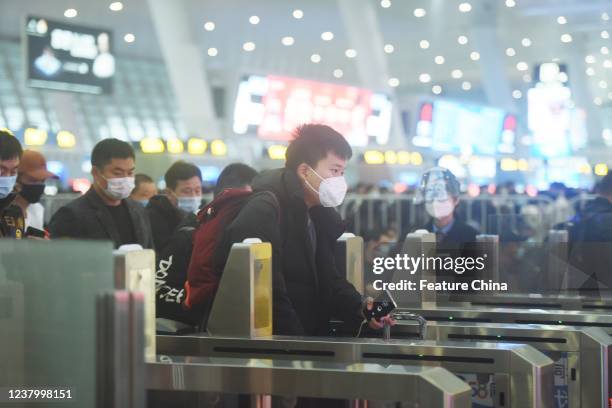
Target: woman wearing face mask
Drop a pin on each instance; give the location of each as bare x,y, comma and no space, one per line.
31,186
439,191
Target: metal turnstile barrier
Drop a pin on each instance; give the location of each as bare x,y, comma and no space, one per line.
244,293
417,386
581,355
542,316
123,375
517,375
349,259
135,271
532,301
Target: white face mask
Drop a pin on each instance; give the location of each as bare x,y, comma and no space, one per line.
189,204
6,185
120,187
439,209
331,190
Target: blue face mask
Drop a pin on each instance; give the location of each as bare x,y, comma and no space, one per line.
6,185
189,204
144,203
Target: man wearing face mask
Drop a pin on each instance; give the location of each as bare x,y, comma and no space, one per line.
31,186
179,203
105,212
308,290
143,191
12,224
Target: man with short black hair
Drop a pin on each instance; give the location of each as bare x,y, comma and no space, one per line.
105,212
181,198
301,224
12,223
235,175
144,189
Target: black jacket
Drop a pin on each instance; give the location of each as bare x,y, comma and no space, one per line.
88,218
458,235
164,218
308,290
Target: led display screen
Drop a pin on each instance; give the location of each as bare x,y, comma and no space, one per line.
272,107
68,57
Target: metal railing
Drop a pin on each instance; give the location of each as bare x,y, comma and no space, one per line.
400,213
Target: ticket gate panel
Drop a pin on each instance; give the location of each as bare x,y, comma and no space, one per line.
515,373
581,355
420,386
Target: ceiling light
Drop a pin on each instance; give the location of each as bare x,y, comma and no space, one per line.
516,94
298,14
527,78
419,12
389,48
327,36
474,56
457,73
385,3
566,38
603,84
462,39
605,34
465,7
597,101
605,16
563,77
129,38
522,66
436,89
510,3
70,13
424,44
209,26
607,63
254,20
589,59
116,6
316,58
590,71
338,73
350,53
526,42
439,60
604,50
248,46
466,86
510,52
424,78
212,52
288,41
393,82
561,20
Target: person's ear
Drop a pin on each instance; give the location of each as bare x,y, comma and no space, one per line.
302,171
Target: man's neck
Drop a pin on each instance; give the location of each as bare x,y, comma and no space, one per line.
443,222
111,202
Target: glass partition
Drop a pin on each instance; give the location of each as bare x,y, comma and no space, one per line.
47,310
